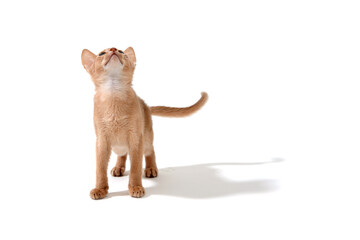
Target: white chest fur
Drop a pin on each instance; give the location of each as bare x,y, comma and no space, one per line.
113,84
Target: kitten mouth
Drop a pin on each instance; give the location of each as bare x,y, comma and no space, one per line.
111,56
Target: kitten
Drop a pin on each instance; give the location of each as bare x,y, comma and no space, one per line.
122,120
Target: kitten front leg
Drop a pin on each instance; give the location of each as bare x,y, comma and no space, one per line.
136,153
103,152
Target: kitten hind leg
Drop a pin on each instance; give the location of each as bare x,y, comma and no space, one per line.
119,168
151,170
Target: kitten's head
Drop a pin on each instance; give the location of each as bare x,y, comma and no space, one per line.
110,63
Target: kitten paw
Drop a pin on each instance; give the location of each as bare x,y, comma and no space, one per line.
151,172
117,171
98,193
137,191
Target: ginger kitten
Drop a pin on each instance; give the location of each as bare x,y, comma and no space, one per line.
122,120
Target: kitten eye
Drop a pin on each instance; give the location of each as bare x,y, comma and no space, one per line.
120,51
102,53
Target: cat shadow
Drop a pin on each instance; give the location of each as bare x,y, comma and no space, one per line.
203,181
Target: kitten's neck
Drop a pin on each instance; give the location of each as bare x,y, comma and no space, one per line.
115,87
115,84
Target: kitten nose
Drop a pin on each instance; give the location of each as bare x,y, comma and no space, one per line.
113,49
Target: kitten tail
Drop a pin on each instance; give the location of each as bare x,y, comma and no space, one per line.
179,112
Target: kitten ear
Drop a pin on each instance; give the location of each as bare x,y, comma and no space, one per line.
88,60
131,54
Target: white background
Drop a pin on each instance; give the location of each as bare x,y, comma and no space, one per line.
273,155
